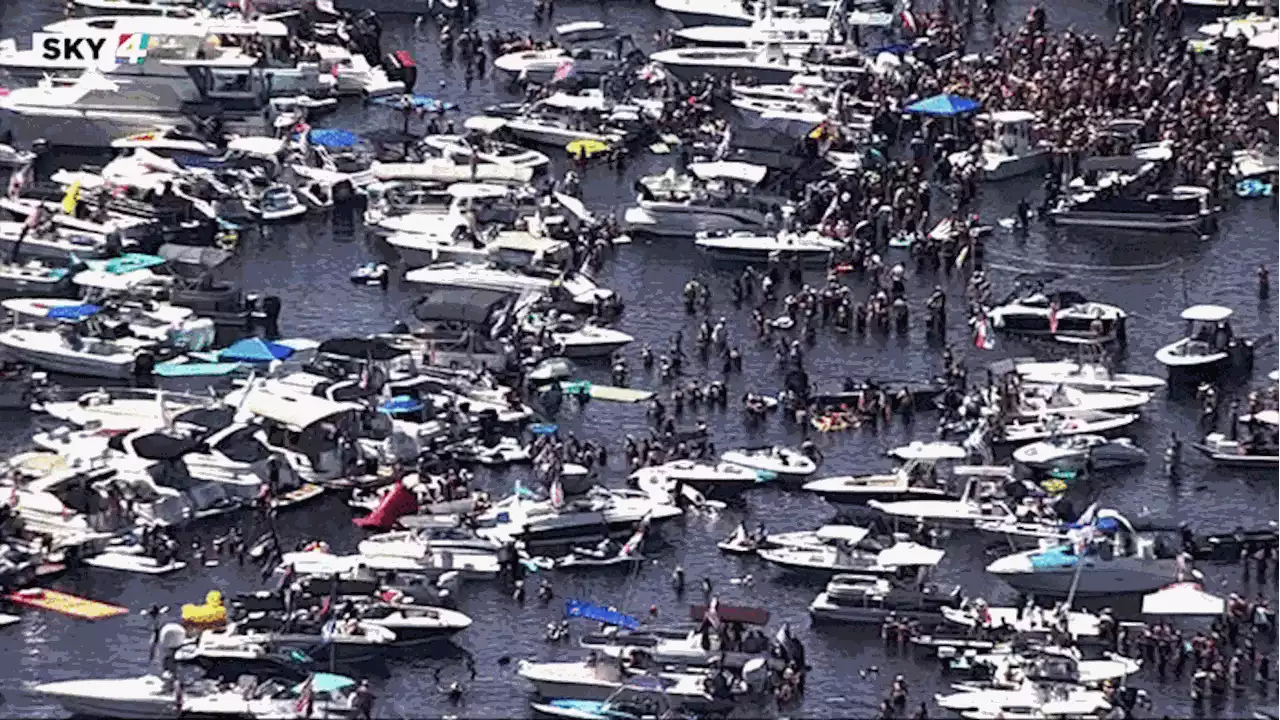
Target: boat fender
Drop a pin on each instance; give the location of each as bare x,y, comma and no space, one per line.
226,240
144,365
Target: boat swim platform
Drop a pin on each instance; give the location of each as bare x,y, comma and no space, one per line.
66,604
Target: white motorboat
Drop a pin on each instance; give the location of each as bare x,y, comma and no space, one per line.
769,64
153,321
142,697
1010,152
782,462
1018,431
1036,400
1080,452
583,518
715,197
602,680
470,564
55,246
760,122
459,149
837,555
572,337
981,500
1030,700
33,278
1058,664
869,599
534,65
1030,314
415,624
578,287
1085,375
811,247
1026,621
1234,453
1209,346
63,350
277,203
792,33
121,409
563,118
915,479
1127,562
719,480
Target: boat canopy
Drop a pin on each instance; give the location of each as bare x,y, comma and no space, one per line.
729,170
151,445
476,191
929,451
486,124
296,412
850,534
364,348
579,103
72,312
400,405
1010,117
256,145
909,554
255,350
324,683
1183,599
467,305
1207,313
333,138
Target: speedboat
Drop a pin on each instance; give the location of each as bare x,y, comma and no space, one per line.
64,350
1037,400
719,480
718,12
869,599
415,624
782,462
460,149
1117,561
1031,700
585,680
1085,375
1025,621
541,66
798,33
470,564
1079,452
1062,312
838,555
1209,347
1017,431
575,339
277,203
910,481
583,518
577,287
981,500
810,247
768,64
585,30
1010,152
34,278
1255,447
715,197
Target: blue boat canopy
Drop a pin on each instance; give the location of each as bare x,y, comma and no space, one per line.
72,312
543,429
400,405
577,608
332,138
943,106
255,350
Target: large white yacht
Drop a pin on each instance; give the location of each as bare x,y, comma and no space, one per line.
93,110
580,518
714,197
577,287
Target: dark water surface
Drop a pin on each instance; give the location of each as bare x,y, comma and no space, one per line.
1152,276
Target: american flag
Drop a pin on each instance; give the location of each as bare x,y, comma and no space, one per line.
305,698
984,339
557,494
563,71
909,22
633,543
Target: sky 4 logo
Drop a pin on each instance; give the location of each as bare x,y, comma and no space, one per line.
101,50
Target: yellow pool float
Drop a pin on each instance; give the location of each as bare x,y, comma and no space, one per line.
210,614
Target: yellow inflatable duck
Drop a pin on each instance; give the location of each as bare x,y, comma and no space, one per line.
209,615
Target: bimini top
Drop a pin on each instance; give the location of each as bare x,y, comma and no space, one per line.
1010,117
1207,313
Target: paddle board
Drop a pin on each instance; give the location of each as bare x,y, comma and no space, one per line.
67,604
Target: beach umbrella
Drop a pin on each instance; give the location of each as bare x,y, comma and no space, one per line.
943,106
585,147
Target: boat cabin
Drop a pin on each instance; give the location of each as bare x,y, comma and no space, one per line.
1209,325
171,38
308,429
1011,132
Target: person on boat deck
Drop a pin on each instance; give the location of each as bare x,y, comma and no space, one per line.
1221,336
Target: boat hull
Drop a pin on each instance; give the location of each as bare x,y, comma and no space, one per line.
646,221
1007,168
97,128
1095,582
822,609
1129,221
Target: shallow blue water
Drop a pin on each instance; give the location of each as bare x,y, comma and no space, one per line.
308,266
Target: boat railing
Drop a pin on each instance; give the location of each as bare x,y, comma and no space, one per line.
84,395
